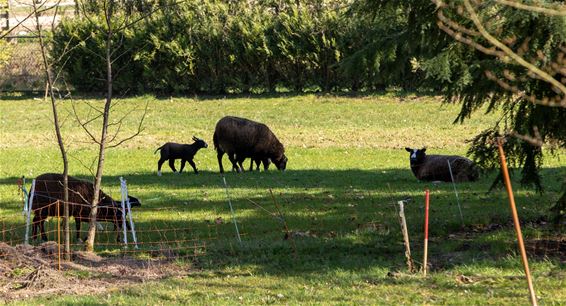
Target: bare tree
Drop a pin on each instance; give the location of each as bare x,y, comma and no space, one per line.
50,89
115,21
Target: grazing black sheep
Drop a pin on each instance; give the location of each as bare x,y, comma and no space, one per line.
435,167
49,190
240,138
186,152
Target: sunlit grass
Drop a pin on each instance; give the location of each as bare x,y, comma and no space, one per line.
347,168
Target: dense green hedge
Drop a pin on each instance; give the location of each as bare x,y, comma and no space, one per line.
217,47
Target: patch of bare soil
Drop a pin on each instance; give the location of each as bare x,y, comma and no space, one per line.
28,271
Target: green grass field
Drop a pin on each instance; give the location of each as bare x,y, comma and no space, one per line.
347,167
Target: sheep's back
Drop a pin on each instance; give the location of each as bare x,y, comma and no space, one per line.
436,168
244,136
49,189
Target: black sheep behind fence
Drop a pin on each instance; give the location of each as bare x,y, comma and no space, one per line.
274,224
153,236
154,239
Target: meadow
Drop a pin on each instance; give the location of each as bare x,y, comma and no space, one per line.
347,168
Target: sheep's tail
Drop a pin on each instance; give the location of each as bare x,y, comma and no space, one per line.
215,141
158,149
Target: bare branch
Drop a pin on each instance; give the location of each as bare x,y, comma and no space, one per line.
83,125
514,89
535,140
521,61
139,130
89,168
561,11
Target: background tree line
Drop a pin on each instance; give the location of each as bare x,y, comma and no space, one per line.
241,46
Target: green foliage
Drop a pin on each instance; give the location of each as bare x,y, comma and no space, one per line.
219,46
459,72
85,62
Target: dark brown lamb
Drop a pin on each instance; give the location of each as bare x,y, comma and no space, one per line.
49,190
185,152
241,138
435,167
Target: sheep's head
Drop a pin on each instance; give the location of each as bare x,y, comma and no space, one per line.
281,162
417,155
134,202
199,142
106,200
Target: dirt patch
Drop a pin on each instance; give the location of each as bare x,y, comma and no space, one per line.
28,271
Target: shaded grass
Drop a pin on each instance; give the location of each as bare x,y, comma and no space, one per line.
346,170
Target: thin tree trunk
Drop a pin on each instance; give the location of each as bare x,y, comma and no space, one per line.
66,231
102,144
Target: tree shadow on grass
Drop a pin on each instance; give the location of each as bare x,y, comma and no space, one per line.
336,219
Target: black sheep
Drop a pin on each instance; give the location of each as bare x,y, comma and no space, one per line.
49,190
186,152
435,167
240,138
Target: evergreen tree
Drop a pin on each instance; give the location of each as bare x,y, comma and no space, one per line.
476,77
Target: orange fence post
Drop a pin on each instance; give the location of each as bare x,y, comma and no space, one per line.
505,172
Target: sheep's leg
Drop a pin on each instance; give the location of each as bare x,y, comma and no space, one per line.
34,227
42,229
265,164
240,161
232,158
219,155
251,164
78,227
159,164
183,161
172,165
117,228
192,163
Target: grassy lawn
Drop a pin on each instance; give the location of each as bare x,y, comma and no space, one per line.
346,170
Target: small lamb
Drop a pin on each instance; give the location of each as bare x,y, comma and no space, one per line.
186,152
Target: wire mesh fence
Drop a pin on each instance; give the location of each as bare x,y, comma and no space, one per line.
21,67
269,219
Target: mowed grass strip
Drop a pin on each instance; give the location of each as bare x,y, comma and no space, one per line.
347,168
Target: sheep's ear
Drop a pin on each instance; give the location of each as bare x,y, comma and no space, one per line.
195,138
408,150
423,149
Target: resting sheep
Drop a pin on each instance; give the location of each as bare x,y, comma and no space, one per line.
186,152
49,190
241,138
435,167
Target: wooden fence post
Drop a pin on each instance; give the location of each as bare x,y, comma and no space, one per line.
405,231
